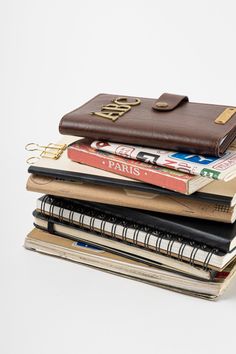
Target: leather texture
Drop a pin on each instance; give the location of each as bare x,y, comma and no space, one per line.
175,125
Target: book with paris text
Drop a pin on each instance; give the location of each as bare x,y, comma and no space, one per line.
181,182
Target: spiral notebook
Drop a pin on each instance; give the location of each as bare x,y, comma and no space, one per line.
59,214
213,234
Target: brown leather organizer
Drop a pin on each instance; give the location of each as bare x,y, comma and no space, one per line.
170,122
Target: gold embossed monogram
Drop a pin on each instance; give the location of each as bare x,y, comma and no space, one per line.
117,108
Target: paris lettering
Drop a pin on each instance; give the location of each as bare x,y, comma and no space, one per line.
116,166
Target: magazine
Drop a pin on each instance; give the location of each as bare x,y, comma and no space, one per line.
218,168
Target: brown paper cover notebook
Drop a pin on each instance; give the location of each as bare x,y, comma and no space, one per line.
163,203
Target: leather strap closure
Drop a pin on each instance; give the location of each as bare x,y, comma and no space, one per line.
168,102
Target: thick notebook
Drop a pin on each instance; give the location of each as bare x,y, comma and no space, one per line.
181,182
65,169
169,122
150,232
163,203
98,258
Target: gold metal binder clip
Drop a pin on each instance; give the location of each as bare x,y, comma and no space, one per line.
50,151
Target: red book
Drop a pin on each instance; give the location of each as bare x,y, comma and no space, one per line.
163,177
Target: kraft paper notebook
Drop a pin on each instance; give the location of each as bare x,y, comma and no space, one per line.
164,203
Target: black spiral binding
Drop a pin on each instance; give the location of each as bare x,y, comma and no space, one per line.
181,250
43,204
71,216
81,220
170,245
103,225
149,233
193,253
61,212
125,229
160,238
208,258
114,227
51,209
92,222
115,221
137,230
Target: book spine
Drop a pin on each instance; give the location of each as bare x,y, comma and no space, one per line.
128,169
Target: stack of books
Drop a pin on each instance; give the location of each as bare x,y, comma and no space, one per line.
130,191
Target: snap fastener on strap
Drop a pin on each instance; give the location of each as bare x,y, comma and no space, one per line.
168,102
162,104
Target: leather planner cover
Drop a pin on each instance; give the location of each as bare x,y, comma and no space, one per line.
169,122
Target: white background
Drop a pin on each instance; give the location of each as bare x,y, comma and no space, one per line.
55,55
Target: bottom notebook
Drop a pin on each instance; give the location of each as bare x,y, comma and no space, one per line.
96,257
